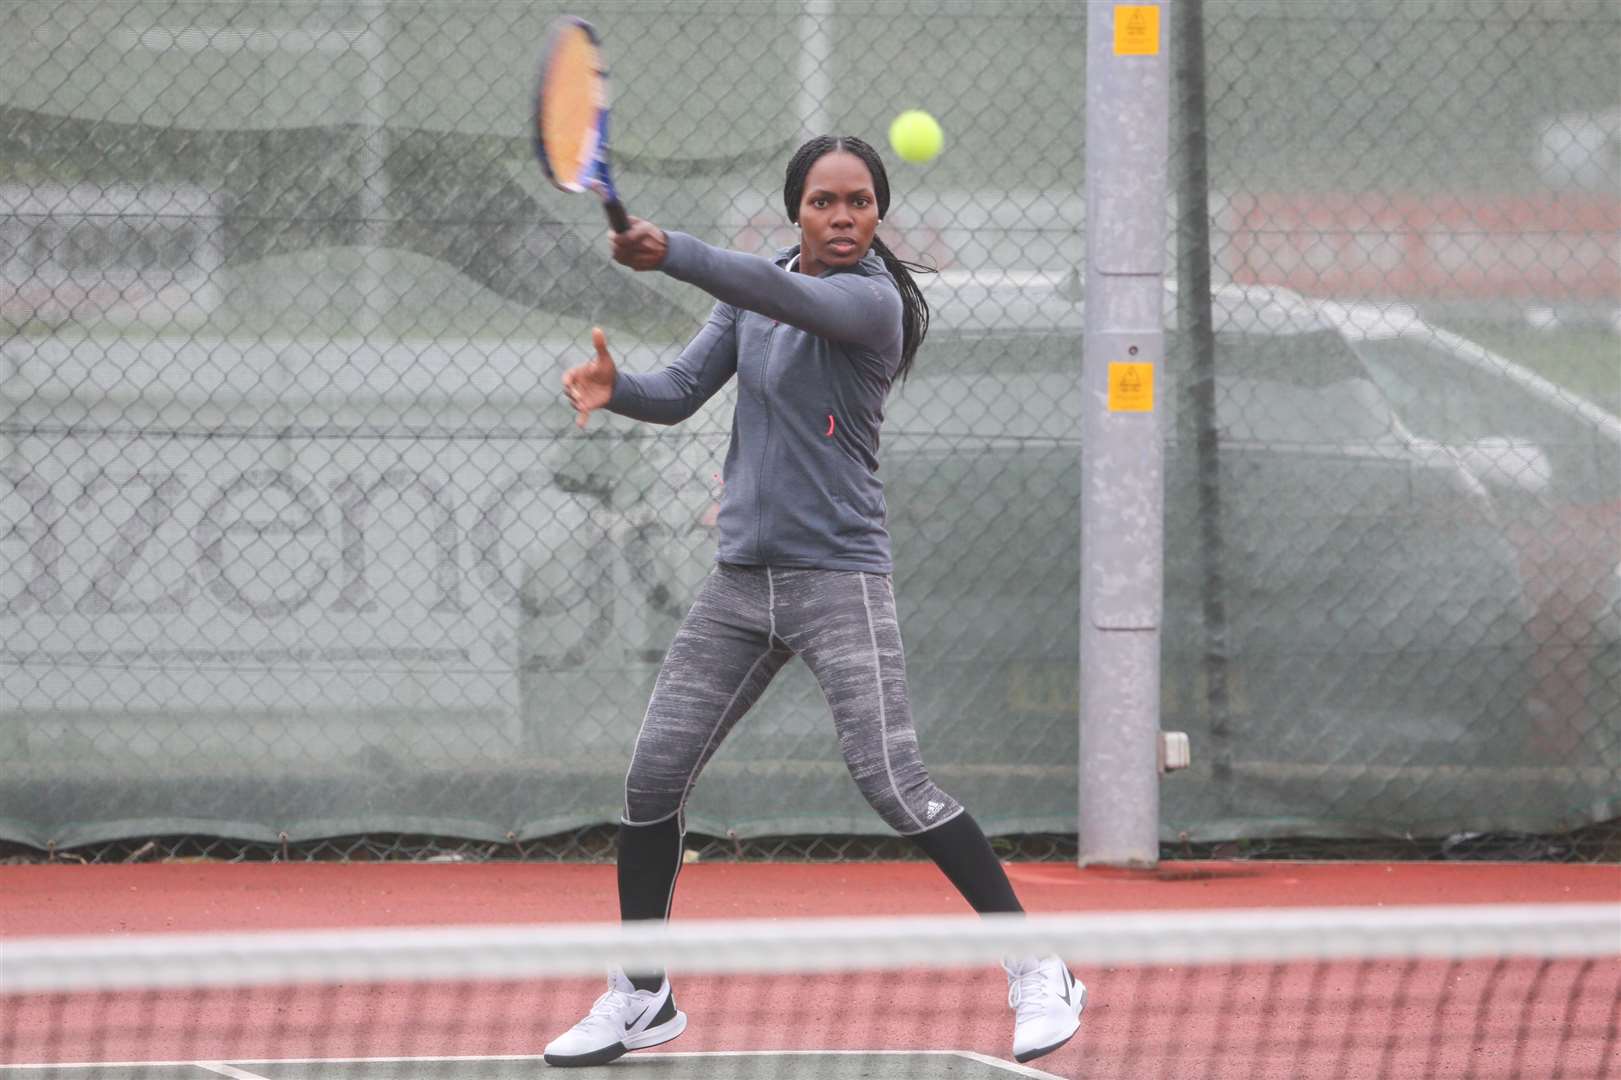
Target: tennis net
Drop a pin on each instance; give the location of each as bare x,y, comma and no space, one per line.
1461,991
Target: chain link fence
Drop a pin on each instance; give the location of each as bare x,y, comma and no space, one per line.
304,557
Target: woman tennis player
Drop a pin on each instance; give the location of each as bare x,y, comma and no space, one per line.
816,337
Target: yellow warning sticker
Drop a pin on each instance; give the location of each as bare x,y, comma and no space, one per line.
1136,30
1131,387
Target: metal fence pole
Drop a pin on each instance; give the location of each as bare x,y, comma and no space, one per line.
1197,338
372,44
1122,489
815,68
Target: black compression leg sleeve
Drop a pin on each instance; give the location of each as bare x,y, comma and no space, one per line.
960,850
649,860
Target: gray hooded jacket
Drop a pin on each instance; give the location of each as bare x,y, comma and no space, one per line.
814,359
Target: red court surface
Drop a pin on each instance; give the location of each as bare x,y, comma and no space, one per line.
1482,1019
66,899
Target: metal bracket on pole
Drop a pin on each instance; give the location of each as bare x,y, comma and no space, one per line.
1175,751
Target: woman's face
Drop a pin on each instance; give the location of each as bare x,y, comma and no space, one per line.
838,213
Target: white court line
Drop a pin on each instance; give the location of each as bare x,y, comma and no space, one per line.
223,1069
1013,1068
1009,1066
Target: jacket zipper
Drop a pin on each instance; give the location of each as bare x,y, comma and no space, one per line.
765,444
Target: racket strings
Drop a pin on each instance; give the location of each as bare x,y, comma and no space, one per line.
571,103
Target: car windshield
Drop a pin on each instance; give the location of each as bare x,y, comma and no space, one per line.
1280,388
1440,396
1292,389
1282,377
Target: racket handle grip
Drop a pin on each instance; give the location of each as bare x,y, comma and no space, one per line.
616,214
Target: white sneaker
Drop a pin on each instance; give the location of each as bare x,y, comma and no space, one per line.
623,1019
1047,1002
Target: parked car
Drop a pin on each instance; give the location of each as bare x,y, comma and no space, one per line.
1550,461
1373,624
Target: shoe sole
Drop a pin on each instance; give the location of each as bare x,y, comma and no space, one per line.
651,1037
1031,1055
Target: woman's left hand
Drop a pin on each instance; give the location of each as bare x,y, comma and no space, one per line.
640,247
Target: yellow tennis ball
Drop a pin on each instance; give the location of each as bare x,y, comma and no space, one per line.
915,136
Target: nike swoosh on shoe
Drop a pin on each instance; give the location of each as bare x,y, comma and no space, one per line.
630,1025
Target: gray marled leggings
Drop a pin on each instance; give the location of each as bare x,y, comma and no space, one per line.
747,622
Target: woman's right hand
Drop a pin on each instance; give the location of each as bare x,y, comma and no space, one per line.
640,247
590,385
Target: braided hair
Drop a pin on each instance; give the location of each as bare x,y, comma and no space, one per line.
914,308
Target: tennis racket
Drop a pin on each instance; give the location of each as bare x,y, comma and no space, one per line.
571,115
